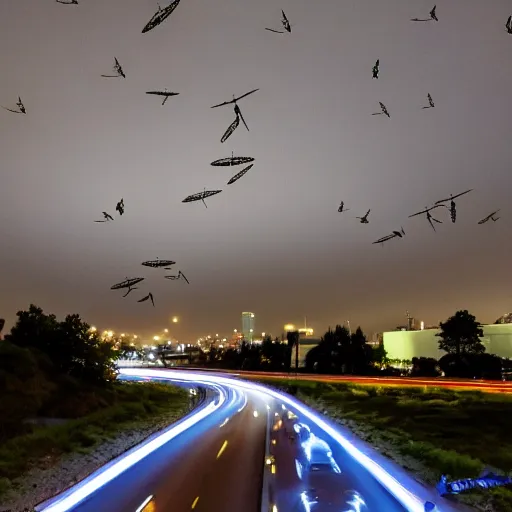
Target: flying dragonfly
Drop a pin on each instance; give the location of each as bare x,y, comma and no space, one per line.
160,16
235,100
67,2
120,207
165,93
106,217
231,128
375,69
128,284
394,234
158,263
383,109
232,161
180,275
489,217
508,25
433,16
148,296
21,107
238,175
117,69
286,25
201,196
342,208
453,207
429,215
430,102
364,218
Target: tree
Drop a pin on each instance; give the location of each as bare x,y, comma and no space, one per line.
461,334
360,353
71,346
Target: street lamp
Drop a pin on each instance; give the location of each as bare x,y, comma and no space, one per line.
174,319
156,338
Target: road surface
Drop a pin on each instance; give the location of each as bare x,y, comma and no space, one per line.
218,464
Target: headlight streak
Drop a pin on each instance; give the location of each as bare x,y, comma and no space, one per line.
76,494
144,503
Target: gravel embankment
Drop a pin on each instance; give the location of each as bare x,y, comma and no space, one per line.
53,477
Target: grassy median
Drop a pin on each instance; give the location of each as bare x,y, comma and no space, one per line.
126,406
433,431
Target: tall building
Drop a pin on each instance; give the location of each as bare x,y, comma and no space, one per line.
248,325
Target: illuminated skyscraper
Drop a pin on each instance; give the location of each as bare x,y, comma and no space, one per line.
248,325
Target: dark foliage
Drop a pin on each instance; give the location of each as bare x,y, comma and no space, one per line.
425,367
461,334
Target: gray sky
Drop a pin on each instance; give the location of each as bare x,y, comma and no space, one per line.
273,242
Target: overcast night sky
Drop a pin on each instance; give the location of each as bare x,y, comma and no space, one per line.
273,242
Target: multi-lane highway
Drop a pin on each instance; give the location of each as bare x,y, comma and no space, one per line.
247,448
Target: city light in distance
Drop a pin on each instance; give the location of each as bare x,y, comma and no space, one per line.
174,319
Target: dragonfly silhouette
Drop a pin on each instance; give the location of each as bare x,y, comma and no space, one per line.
429,215
120,207
201,196
376,69
508,25
159,263
232,160
430,102
433,16
160,16
165,94
238,175
148,296
453,207
364,218
394,234
342,208
384,110
106,217
117,69
286,25
128,284
238,114
67,2
180,275
489,217
21,107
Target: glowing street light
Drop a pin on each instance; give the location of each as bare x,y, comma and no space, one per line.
174,319
92,328
166,330
289,327
156,338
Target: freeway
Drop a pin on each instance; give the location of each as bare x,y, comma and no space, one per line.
238,452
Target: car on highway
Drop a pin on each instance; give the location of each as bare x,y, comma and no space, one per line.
328,498
315,456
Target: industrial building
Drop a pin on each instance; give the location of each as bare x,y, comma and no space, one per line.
406,344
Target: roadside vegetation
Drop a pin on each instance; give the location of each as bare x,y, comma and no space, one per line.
430,431
59,394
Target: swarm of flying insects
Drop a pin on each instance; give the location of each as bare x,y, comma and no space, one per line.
21,107
286,25
384,110
238,175
432,16
364,218
376,69
453,207
128,284
430,102
180,275
165,94
118,70
238,114
394,234
429,215
489,217
160,16
159,264
201,196
232,161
